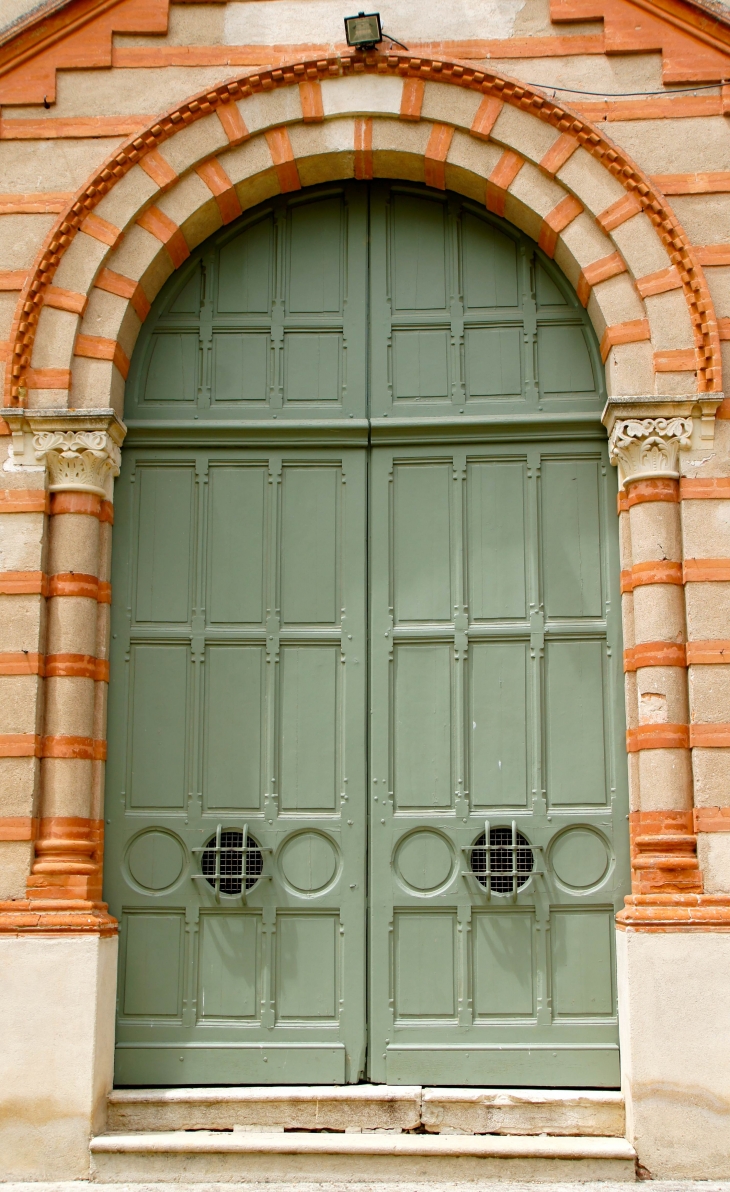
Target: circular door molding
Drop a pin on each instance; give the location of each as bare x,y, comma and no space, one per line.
580,858
309,862
424,861
155,860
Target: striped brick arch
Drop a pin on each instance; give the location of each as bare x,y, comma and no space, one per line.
548,171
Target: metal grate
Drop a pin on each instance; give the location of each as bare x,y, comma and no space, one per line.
232,861
505,867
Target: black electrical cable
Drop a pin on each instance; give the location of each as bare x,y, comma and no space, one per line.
627,94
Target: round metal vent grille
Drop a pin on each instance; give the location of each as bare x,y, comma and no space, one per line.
237,867
506,865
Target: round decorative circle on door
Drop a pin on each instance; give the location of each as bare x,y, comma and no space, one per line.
579,858
155,860
424,860
308,862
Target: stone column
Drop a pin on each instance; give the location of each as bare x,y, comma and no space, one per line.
673,937
58,942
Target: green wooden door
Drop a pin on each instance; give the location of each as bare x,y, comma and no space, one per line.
361,395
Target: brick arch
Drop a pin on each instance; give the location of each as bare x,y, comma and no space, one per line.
553,174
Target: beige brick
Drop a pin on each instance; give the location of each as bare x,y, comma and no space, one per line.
80,263
614,301
8,303
523,132
127,198
69,709
665,779
629,369
361,94
587,178
709,691
16,858
675,146
449,105
19,785
326,167
470,162
624,531
21,542
532,188
658,613
138,254
74,544
634,782
332,143
627,620
678,384
28,167
401,136
580,244
54,341
718,281
186,198
706,529
21,237
66,784
47,399
669,321
247,160
662,695
194,143
21,702
111,317
708,611
713,852
72,625
640,246
22,623
705,218
266,109
655,531
631,699
257,189
125,92
711,769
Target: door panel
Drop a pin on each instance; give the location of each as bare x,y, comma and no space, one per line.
496,706
270,753
238,703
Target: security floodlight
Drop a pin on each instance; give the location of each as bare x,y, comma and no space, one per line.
363,31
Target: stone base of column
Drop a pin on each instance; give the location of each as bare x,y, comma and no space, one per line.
675,1049
57,1058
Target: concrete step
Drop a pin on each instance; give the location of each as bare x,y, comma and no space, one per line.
369,1107
241,1156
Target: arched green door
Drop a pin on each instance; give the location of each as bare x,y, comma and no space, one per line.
366,787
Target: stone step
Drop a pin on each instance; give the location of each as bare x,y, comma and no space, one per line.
369,1107
241,1156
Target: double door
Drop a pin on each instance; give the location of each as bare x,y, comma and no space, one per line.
366,786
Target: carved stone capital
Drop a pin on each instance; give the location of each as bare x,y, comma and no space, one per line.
648,448
80,448
78,461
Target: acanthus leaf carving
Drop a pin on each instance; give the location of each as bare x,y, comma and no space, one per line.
648,448
78,461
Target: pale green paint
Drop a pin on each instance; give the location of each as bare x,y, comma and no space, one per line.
241,660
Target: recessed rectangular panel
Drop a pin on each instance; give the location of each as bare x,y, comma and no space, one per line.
564,362
421,364
308,727
153,957
165,543
306,969
312,366
309,545
574,719
493,361
240,366
425,964
422,726
158,726
236,536
497,533
172,367
419,257
582,963
571,538
234,686
315,257
422,547
490,265
228,966
503,964
499,747
244,271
